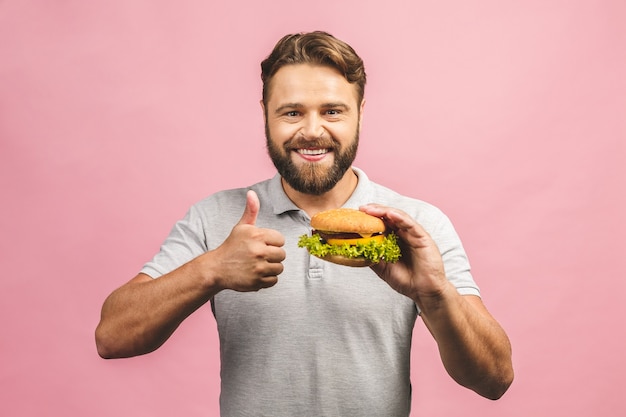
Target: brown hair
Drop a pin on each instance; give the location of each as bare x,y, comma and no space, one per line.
316,48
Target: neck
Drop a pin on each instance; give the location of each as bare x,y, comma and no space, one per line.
335,198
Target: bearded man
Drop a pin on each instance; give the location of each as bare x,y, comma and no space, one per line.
300,336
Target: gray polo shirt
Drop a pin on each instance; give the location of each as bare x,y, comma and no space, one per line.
326,340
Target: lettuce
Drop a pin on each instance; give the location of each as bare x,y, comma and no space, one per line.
387,251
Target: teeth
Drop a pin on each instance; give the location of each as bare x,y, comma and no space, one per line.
312,151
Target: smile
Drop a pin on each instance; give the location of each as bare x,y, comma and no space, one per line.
312,151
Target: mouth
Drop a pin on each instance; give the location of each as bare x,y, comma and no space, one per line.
312,154
312,151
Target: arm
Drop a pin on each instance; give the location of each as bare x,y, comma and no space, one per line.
142,314
474,348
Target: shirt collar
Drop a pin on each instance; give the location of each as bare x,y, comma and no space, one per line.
281,203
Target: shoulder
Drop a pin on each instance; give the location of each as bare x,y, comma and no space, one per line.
416,207
373,192
222,201
233,198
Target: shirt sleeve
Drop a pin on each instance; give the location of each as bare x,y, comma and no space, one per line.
185,242
455,260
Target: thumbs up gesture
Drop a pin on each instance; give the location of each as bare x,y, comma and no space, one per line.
252,209
250,258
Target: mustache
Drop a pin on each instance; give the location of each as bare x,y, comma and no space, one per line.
321,143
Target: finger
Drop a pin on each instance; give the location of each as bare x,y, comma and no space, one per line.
275,255
273,237
269,271
376,210
268,281
396,219
252,209
400,219
393,217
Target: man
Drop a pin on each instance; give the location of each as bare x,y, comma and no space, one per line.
318,339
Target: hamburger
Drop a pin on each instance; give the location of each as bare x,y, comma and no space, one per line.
350,237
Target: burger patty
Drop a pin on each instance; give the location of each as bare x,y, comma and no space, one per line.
341,235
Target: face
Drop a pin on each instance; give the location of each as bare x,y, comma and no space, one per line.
312,121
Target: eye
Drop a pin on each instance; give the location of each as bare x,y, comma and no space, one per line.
333,112
292,113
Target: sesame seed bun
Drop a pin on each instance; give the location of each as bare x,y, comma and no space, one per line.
347,220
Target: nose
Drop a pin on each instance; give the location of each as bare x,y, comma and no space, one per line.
312,127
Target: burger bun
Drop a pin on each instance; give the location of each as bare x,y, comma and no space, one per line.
347,220
344,260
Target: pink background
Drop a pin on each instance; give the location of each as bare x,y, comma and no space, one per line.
115,116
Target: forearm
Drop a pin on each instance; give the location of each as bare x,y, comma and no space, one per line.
474,349
141,315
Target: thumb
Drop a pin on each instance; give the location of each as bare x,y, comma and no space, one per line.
252,209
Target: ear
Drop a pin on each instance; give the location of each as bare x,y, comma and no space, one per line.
361,109
263,109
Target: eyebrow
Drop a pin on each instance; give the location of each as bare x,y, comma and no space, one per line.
286,106
296,106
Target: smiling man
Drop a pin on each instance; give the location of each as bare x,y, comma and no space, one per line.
300,336
312,118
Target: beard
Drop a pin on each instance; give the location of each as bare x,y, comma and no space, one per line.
312,178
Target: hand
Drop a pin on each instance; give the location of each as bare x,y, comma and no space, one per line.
419,274
250,258
473,347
